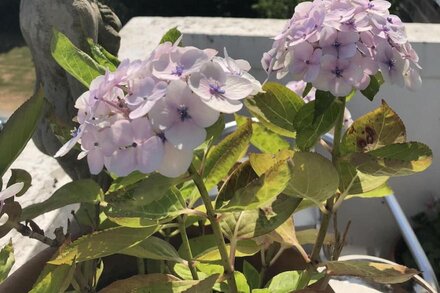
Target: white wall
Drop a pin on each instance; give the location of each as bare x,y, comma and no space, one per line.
420,111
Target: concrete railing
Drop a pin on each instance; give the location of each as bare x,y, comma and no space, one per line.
249,38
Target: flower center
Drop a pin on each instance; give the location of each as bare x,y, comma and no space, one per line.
370,5
161,135
178,71
389,19
350,23
336,44
391,63
215,89
338,72
183,113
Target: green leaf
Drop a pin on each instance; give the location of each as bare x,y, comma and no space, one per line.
54,279
172,35
97,244
182,271
310,126
73,60
251,274
261,163
381,191
323,102
13,210
312,177
140,212
243,248
7,260
376,272
239,178
154,248
223,156
372,88
309,237
19,175
204,285
102,56
262,138
276,108
284,282
141,193
215,130
357,181
240,280
374,130
257,222
19,129
125,183
394,160
285,235
204,248
84,190
153,283
258,191
307,89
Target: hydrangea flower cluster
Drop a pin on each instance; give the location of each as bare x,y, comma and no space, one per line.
338,44
150,115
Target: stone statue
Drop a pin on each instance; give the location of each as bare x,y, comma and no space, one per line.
78,20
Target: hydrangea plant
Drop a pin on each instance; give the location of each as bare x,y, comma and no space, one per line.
195,207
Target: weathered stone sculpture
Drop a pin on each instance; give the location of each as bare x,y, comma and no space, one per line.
78,20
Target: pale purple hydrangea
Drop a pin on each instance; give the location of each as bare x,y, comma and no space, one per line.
218,90
337,39
149,115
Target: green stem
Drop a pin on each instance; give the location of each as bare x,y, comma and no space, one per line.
338,130
263,268
330,204
314,257
228,268
140,266
187,247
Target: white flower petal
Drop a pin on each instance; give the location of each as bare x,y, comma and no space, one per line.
11,191
201,114
237,88
142,129
161,116
95,159
185,135
150,154
122,162
121,133
176,162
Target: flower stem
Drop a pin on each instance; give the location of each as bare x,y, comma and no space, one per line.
338,130
322,231
187,247
27,232
140,265
330,207
228,268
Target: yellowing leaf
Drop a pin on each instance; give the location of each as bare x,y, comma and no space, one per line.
376,272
